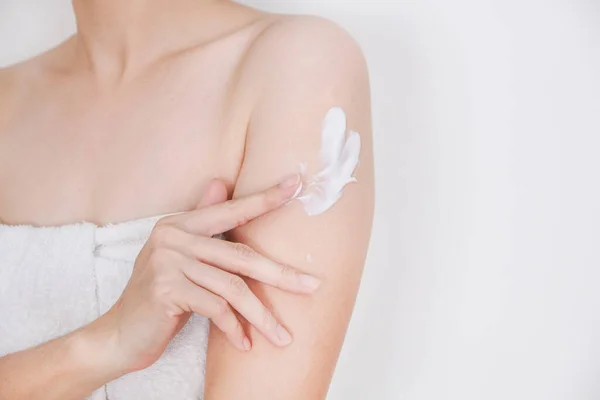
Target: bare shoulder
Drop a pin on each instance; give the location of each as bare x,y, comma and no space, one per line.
21,80
23,71
305,35
306,47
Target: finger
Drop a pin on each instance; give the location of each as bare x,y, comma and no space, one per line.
220,218
214,192
237,293
192,298
241,259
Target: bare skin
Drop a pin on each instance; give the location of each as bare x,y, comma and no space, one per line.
134,116
109,112
180,270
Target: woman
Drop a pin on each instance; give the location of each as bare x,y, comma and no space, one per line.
154,113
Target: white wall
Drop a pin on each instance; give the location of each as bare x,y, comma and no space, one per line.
484,266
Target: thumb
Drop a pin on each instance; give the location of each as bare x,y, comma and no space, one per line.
214,192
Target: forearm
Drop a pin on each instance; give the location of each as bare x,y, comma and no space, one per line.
69,367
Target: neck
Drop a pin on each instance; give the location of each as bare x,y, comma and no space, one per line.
116,37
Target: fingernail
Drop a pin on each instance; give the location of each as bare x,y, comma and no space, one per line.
283,335
289,181
309,282
297,191
246,344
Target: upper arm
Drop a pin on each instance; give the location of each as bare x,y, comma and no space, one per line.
305,66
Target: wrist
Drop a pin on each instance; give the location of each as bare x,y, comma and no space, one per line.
93,349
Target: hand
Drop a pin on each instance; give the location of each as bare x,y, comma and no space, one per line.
183,269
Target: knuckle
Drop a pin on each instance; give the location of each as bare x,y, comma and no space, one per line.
287,273
221,308
244,251
163,234
269,323
231,205
238,210
237,286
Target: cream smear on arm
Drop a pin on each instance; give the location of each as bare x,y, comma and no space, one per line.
339,157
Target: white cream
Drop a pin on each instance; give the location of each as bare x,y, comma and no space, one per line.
339,157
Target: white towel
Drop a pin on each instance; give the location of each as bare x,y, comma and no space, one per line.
55,279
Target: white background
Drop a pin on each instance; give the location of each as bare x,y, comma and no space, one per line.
483,274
